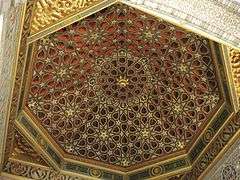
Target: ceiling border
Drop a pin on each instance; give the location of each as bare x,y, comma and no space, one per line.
225,138
230,131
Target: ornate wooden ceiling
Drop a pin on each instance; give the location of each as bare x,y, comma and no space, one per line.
122,87
118,94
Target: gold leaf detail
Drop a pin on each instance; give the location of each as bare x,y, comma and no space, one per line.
235,62
48,12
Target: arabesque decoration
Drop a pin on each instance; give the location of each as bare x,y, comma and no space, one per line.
48,12
123,87
235,62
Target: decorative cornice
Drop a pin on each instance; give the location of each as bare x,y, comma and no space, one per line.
69,19
17,169
48,12
235,62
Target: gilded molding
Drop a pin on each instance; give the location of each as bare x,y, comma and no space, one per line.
16,169
235,62
48,12
69,20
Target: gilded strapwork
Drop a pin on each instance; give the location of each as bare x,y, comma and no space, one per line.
235,61
48,12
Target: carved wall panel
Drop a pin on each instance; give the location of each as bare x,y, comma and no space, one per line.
17,79
228,166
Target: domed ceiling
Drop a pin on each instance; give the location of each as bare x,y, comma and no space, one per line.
122,94
122,87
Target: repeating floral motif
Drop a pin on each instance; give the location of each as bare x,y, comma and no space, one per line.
122,87
178,177
28,171
229,173
34,172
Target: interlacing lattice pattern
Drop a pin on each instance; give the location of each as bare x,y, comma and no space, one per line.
122,87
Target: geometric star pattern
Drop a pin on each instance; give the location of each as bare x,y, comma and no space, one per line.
123,87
